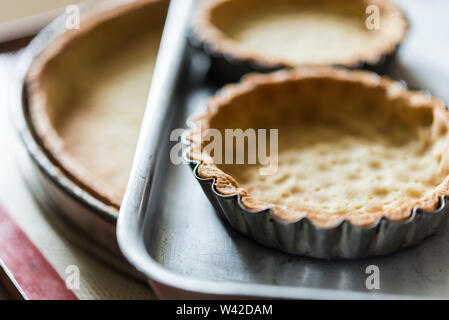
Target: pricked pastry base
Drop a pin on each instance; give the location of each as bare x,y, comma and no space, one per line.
88,91
290,33
352,146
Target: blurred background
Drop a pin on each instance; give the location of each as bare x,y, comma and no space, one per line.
21,18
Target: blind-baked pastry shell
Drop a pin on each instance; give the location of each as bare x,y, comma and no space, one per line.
352,146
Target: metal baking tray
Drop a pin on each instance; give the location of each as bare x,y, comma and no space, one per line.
170,232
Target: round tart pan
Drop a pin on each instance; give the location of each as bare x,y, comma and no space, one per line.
230,61
80,214
306,235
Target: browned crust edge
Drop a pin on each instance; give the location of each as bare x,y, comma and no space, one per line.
47,135
226,185
205,32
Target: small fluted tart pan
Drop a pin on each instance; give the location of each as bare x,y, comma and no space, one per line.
361,164
265,35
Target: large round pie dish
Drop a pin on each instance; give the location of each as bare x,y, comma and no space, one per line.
361,164
77,108
87,94
254,35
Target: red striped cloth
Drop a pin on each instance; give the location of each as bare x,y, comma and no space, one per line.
34,274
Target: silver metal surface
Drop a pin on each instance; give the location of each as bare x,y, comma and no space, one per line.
169,231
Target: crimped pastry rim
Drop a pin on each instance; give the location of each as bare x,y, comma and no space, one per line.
373,225
248,83
206,35
47,136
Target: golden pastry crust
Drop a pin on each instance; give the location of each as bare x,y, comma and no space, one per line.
220,25
409,129
59,74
